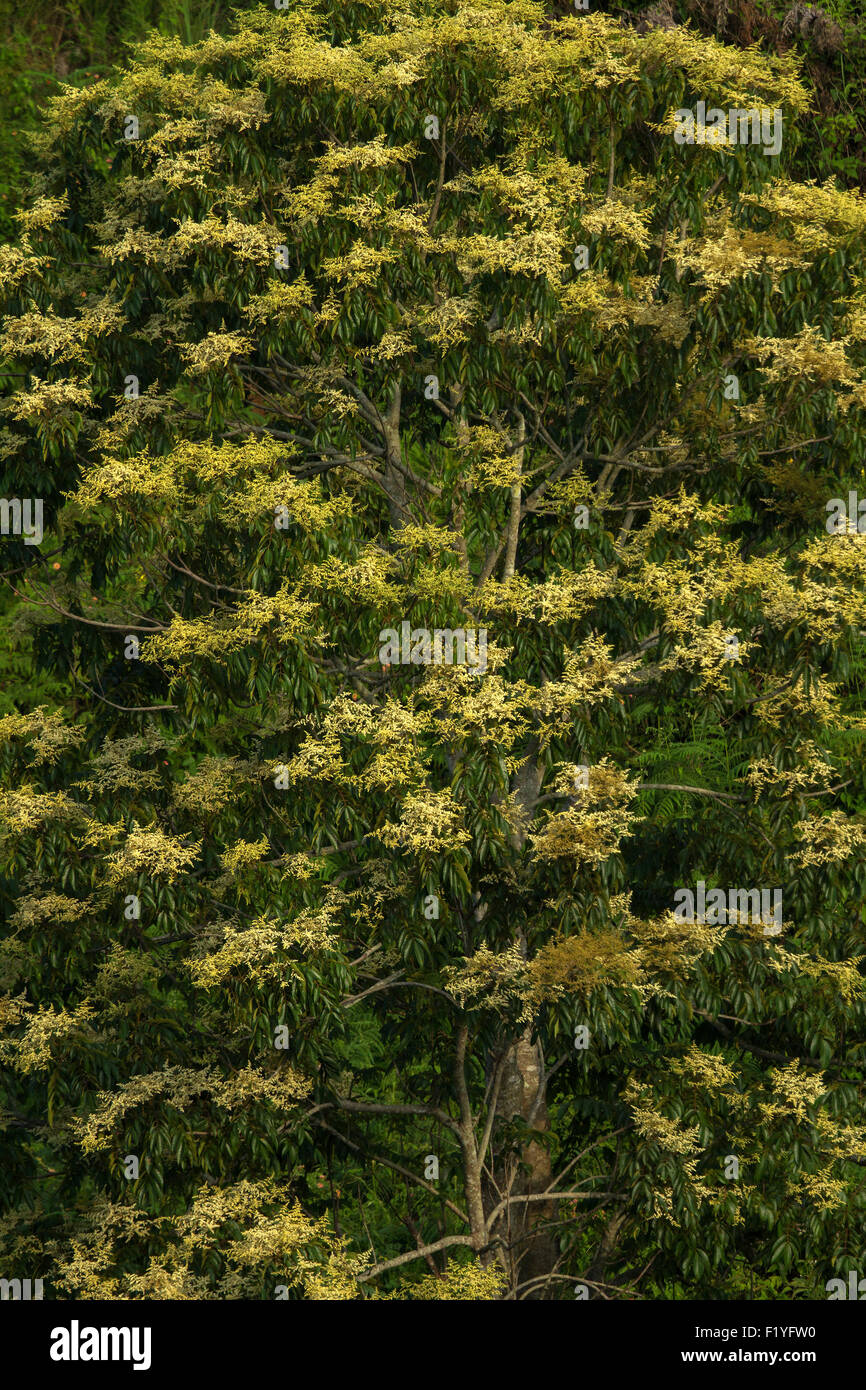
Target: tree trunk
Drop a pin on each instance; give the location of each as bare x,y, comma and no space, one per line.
395,478
532,1251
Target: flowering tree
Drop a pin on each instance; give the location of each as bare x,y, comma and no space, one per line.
448,881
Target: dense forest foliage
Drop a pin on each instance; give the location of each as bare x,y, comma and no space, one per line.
431,650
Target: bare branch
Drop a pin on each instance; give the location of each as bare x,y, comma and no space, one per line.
397,1168
444,1244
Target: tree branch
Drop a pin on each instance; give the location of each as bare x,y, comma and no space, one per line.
425,1250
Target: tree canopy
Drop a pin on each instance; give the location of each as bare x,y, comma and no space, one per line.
345,329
